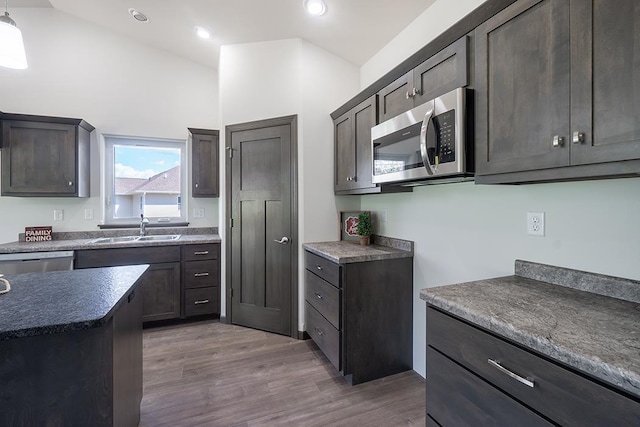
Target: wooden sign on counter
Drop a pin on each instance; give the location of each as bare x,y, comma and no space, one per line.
38,234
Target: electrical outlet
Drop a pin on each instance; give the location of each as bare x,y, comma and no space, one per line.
88,214
535,224
198,213
58,214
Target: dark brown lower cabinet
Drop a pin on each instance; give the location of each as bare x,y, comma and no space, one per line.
161,292
90,377
160,286
201,279
467,383
360,315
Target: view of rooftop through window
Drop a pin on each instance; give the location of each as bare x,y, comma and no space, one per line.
146,181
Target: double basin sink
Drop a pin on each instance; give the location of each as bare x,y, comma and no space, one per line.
127,239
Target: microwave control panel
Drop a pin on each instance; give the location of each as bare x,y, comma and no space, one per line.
445,130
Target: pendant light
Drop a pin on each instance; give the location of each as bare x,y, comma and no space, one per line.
12,53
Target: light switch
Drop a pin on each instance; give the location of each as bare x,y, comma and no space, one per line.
58,214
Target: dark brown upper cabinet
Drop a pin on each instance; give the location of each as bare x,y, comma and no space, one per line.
558,92
205,162
443,72
353,148
45,156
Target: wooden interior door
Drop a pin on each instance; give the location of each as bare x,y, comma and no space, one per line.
261,170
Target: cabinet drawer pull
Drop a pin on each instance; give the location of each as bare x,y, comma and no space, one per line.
318,295
201,253
578,137
318,267
526,381
319,331
202,301
200,274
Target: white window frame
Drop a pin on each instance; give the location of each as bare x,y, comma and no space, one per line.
108,178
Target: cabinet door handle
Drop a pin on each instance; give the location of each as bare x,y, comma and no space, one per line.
201,253
196,185
319,267
200,274
70,183
578,137
202,301
558,141
407,95
415,92
318,295
319,331
526,381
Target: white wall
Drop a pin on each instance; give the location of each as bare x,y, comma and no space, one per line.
286,77
467,232
427,26
79,70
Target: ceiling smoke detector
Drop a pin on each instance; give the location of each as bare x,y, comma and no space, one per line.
138,16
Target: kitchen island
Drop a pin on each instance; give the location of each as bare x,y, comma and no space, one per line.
71,348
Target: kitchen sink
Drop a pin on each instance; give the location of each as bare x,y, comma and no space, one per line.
120,239
159,238
125,239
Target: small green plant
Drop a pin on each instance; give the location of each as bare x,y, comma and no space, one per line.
364,224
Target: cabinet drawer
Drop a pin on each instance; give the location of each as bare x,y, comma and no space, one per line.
322,267
456,397
201,252
200,274
564,396
323,297
201,301
112,257
324,334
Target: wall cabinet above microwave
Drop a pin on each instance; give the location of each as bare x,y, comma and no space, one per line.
557,101
443,72
45,156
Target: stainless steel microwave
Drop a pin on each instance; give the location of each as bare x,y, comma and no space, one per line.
427,142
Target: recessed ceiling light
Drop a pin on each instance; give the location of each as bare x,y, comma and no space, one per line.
203,33
138,16
315,7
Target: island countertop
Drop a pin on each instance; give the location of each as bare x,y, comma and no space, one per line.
61,301
577,325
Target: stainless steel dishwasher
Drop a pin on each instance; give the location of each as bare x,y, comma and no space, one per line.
35,262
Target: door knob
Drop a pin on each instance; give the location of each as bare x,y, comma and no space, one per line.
283,241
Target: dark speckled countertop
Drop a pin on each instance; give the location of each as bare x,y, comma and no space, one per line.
61,301
343,252
79,240
588,321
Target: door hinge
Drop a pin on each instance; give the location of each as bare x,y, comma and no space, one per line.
231,293
231,222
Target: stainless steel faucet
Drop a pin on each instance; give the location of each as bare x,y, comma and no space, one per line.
143,225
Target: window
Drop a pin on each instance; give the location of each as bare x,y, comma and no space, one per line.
144,177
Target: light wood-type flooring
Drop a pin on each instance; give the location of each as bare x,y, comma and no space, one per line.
213,374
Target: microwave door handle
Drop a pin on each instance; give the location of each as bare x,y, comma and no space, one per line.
423,139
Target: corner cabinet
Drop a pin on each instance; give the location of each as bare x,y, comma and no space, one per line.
557,90
205,166
475,377
45,156
360,315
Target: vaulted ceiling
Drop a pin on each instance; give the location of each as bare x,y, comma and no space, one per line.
352,29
